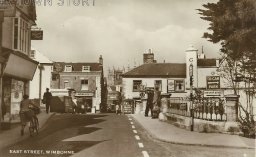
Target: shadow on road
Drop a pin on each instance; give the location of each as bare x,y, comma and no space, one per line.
59,128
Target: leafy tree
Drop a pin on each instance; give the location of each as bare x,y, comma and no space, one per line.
233,25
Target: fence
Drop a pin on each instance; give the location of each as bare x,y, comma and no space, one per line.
206,109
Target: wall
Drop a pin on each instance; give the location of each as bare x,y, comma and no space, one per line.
46,80
8,32
148,82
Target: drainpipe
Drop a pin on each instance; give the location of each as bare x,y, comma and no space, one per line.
1,64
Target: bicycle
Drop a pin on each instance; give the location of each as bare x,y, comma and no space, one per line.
33,123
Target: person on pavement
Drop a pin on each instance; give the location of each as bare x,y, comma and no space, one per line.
25,112
156,102
74,100
47,99
149,106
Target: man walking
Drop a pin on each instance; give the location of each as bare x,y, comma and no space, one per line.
47,99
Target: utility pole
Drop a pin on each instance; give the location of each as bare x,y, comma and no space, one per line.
1,63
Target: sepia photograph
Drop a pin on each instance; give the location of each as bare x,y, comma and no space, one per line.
127,78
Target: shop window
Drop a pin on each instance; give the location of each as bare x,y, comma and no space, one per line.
68,68
84,84
136,85
179,85
176,86
158,83
86,68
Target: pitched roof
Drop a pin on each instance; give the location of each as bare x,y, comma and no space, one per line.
166,70
78,66
206,62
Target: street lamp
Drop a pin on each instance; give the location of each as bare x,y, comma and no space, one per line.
191,96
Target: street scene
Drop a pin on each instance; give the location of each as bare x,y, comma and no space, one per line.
127,78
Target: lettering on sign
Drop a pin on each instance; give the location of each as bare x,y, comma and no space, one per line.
213,82
213,93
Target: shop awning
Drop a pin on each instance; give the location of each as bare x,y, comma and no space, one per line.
20,66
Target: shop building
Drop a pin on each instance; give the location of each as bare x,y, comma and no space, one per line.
85,78
17,68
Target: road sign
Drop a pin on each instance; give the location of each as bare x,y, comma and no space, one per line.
213,82
213,93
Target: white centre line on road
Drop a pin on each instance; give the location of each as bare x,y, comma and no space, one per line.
141,145
130,119
135,131
137,137
133,126
131,122
145,153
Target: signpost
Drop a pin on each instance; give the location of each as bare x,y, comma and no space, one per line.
191,96
36,35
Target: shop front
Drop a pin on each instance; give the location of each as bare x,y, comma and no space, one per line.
18,71
86,98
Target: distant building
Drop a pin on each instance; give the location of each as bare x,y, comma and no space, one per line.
85,78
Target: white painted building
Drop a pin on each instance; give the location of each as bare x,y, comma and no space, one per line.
42,77
174,79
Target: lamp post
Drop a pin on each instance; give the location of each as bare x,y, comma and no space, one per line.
191,96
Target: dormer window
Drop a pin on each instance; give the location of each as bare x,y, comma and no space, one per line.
86,69
68,68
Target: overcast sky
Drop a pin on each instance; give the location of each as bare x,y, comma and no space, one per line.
122,30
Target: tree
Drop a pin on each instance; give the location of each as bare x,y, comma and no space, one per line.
233,25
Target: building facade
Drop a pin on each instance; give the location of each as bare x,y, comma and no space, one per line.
85,78
42,77
17,68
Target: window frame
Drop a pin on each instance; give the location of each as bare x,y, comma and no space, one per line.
133,85
67,68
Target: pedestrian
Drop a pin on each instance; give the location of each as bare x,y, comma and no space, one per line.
74,101
149,105
156,102
118,110
47,99
26,113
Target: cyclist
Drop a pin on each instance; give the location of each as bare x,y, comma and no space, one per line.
26,113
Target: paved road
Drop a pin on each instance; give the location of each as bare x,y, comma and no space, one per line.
106,135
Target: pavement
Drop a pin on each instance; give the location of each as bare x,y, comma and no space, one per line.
12,135
166,132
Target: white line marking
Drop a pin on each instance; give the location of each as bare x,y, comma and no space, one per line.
131,122
130,119
145,153
133,126
137,137
135,131
141,145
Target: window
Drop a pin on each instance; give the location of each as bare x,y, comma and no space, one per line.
176,85
68,68
32,54
66,84
158,83
179,85
86,68
54,77
21,39
84,84
136,85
